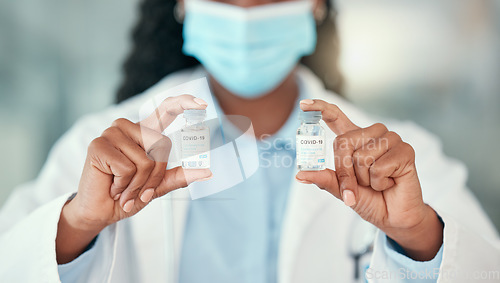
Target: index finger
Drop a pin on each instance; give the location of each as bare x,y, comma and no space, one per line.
169,109
334,118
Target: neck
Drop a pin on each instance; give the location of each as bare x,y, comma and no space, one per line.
268,113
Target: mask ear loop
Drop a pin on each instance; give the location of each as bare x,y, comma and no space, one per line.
179,12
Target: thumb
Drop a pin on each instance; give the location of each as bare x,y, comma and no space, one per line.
179,177
324,179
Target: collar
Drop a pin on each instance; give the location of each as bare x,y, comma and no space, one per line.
308,84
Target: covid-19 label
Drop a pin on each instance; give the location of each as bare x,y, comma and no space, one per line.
310,152
195,149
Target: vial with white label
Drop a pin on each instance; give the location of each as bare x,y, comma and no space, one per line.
310,142
195,140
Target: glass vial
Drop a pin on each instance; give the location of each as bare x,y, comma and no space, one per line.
310,142
195,140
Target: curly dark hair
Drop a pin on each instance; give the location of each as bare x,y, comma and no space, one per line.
157,50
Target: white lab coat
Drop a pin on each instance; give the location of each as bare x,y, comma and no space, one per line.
315,237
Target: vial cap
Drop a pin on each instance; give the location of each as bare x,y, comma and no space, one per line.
310,116
195,113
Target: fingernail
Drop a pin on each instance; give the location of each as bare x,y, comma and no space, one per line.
128,206
195,175
302,181
200,101
147,195
206,178
307,101
117,197
348,198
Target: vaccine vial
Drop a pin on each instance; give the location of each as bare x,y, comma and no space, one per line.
195,140
310,142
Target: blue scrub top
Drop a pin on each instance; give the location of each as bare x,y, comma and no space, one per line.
234,235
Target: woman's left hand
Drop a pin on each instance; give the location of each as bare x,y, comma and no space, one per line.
375,175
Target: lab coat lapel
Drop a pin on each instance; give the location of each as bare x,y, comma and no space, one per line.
158,230
148,233
303,204
179,202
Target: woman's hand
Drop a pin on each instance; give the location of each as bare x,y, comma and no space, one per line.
376,176
125,169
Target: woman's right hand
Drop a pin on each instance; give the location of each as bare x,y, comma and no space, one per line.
124,170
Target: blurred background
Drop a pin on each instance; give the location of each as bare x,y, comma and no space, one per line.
436,62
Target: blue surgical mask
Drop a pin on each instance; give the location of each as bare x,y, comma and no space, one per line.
249,51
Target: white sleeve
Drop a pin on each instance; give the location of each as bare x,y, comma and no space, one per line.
399,267
71,271
29,218
471,250
28,248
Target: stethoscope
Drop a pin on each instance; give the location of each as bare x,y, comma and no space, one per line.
361,241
